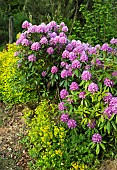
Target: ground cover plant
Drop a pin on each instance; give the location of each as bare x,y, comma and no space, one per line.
82,80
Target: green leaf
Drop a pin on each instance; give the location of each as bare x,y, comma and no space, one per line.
108,127
113,124
93,145
112,117
97,149
103,147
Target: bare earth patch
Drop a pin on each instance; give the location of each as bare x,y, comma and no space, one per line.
13,155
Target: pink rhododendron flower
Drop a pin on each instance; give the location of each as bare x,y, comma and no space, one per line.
35,46
82,95
65,29
71,124
83,57
61,106
75,64
64,117
43,40
97,138
50,50
86,75
108,82
31,58
26,24
54,70
93,88
74,86
113,41
43,73
25,42
63,93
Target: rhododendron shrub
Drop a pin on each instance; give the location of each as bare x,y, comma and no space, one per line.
41,48
85,78
92,88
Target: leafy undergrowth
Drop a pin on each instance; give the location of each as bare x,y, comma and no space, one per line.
13,154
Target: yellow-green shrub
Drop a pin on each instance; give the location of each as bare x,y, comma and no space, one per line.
11,88
48,140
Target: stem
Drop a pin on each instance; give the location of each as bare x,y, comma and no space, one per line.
38,93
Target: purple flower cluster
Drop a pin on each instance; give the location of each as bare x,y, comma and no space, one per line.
35,46
75,64
97,138
93,88
25,42
71,124
107,98
114,73
50,50
72,56
63,93
112,107
108,82
43,40
64,73
105,47
61,106
32,58
86,75
113,104
64,117
26,24
113,41
54,70
43,73
82,95
91,124
74,86
83,57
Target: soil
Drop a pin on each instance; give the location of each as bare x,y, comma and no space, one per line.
13,155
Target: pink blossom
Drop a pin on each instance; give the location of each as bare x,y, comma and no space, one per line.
25,42
105,47
43,73
43,40
82,95
108,82
62,24
63,93
62,40
75,64
83,57
113,41
65,29
86,75
61,106
31,58
35,46
71,124
74,86
50,50
97,138
54,70
64,117
64,73
72,56
93,88
65,54
26,24
62,34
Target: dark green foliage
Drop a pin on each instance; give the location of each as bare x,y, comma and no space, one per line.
97,23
